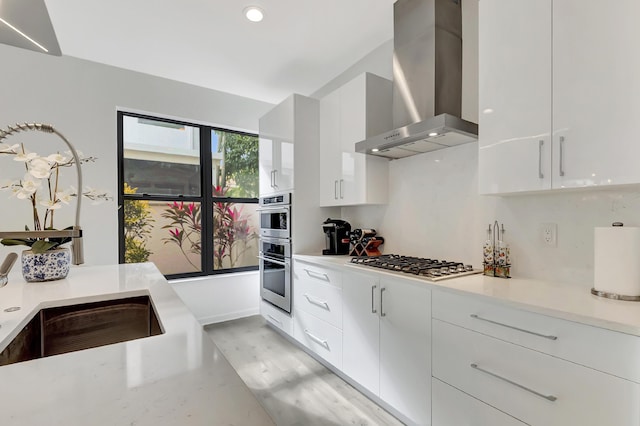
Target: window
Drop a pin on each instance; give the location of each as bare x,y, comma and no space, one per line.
188,196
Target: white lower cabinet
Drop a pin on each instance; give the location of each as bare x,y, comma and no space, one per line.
452,407
361,329
536,388
386,334
321,337
276,317
444,358
405,348
318,291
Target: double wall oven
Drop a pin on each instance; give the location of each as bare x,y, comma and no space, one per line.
275,250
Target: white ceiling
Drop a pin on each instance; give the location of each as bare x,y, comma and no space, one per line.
299,46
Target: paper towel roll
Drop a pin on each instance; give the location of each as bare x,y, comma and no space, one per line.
617,260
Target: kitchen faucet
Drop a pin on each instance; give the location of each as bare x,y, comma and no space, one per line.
6,267
76,233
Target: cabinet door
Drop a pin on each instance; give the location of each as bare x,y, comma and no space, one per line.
353,122
454,408
276,130
283,175
515,95
534,387
360,328
358,109
330,161
405,348
265,165
596,98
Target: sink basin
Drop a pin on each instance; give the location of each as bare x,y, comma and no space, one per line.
62,329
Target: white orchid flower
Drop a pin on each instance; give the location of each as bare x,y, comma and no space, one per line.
24,157
9,149
29,184
66,196
57,158
22,194
40,168
50,204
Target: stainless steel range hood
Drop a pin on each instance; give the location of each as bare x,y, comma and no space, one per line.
427,81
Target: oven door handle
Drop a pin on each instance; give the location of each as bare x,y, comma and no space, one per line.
274,209
276,240
277,262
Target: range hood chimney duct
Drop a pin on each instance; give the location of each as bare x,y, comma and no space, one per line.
427,81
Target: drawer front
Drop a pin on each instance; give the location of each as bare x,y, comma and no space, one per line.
604,350
316,274
276,317
321,337
536,388
323,301
454,408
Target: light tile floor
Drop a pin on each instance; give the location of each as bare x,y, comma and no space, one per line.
292,386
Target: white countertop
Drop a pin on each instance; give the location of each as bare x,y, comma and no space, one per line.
176,378
561,300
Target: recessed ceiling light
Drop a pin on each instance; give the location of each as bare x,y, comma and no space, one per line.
253,13
375,150
432,134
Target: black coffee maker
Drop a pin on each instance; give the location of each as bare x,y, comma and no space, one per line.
336,233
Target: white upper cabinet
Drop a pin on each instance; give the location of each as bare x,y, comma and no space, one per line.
514,74
557,98
276,148
353,112
596,95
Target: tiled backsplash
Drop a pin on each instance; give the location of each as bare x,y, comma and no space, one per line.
434,210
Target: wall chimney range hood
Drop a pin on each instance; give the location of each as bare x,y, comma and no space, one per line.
427,81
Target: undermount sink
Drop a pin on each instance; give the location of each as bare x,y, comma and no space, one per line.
62,329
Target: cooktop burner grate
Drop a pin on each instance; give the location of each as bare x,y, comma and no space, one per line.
430,269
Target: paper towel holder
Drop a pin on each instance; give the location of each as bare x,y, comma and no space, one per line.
615,296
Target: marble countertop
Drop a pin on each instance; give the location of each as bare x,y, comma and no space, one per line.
176,378
561,300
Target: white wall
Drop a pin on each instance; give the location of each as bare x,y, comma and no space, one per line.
80,99
378,61
434,210
222,297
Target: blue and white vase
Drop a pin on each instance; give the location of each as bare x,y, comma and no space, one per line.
48,266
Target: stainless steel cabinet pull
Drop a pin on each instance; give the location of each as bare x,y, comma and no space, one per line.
341,184
335,189
561,155
317,275
373,307
317,339
272,178
275,183
275,319
474,316
540,174
382,313
504,379
320,303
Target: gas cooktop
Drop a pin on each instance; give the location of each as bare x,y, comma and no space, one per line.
430,269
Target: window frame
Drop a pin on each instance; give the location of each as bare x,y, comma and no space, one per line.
206,201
